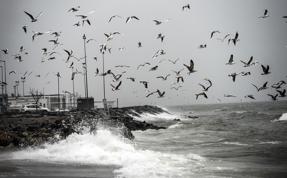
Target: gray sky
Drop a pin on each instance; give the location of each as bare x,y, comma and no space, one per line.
265,39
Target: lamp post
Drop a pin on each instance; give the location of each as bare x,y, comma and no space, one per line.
73,84
4,74
23,81
2,84
86,68
103,48
58,76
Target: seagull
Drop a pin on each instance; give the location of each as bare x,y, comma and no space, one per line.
250,96
139,44
247,64
160,94
5,51
35,34
263,87
202,93
230,61
33,19
77,24
132,17
12,72
204,87
213,32
282,93
233,75
176,88
25,28
132,79
190,67
142,65
158,53
114,16
161,37
179,78
235,39
222,40
117,77
69,54
110,36
117,86
178,72
245,73
153,68
157,22
145,83
186,7
274,97
229,96
278,84
265,15
56,34
74,9
163,77
173,61
151,93
202,46
265,70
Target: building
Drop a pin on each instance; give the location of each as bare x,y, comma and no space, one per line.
3,103
49,101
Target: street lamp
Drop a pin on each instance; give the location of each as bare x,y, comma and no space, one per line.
5,74
103,49
2,84
23,81
58,76
86,68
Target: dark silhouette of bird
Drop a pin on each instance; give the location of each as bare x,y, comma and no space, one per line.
5,51
160,36
265,15
74,9
77,24
233,75
139,44
213,32
278,84
235,39
177,73
35,34
131,17
201,94
186,7
145,83
263,87
70,53
132,79
248,63
153,68
56,34
250,96
160,94
230,61
265,70
157,22
282,93
229,96
204,87
163,77
33,19
117,86
25,28
179,78
12,72
202,46
190,68
273,97
245,73
114,16
117,77
151,93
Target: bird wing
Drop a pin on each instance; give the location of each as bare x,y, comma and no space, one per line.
255,86
31,16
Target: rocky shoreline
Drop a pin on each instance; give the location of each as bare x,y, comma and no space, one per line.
18,130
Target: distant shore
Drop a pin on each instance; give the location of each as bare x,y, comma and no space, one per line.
19,130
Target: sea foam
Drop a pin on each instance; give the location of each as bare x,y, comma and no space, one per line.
106,148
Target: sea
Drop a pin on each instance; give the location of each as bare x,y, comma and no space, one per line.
212,141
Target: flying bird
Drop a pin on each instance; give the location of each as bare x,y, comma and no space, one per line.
265,70
263,87
173,61
117,86
5,51
245,73
273,97
186,7
114,16
12,72
250,96
25,28
282,93
235,39
233,75
145,83
265,15
131,17
179,78
190,67
248,63
132,79
213,32
142,65
139,44
201,94
163,77
153,68
204,87
160,94
33,19
74,9
230,61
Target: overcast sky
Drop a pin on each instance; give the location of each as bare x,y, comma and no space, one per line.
184,31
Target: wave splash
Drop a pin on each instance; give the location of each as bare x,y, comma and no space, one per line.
105,148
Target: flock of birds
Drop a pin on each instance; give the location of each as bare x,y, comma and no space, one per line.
117,79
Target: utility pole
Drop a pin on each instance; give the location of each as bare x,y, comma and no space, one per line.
5,74
86,68
2,84
103,50
23,81
58,75
73,82
17,85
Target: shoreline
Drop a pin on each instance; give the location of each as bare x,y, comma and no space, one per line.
19,130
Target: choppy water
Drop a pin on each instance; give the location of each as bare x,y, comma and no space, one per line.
228,140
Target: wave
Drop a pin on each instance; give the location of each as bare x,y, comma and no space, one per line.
235,143
154,117
177,125
105,148
283,117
